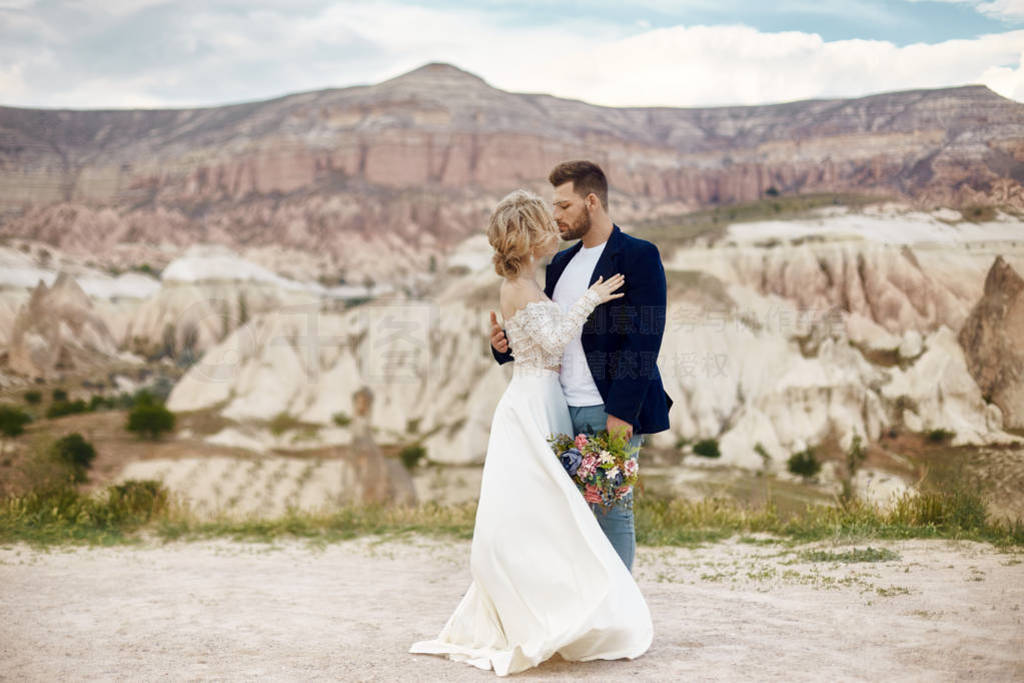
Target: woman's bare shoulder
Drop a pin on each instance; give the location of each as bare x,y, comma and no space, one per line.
514,296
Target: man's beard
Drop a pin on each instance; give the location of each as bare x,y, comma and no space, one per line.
577,229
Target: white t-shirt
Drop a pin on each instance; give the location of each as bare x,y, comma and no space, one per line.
577,382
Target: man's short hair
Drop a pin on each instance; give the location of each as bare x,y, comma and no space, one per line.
586,177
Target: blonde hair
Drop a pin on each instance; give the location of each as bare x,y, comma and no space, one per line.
519,224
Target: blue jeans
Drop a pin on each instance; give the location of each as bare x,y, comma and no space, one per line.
617,522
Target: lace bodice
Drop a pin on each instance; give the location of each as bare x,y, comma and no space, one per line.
538,333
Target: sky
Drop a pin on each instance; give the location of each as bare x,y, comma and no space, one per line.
92,54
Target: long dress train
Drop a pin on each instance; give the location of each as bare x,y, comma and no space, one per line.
545,577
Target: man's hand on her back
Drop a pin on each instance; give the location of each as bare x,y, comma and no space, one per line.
498,340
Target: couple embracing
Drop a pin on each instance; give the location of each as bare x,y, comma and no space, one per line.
552,574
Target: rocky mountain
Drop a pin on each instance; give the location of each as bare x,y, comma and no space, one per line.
376,180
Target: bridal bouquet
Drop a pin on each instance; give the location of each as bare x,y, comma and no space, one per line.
600,465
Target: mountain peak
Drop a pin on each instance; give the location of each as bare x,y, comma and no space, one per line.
438,73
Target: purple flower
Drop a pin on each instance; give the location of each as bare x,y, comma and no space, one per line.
571,460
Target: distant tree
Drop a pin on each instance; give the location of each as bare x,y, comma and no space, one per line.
805,463
707,448
76,453
150,420
60,395
12,423
411,455
33,397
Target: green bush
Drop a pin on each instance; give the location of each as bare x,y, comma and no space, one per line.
61,408
150,420
412,454
805,463
33,397
707,448
341,419
13,421
76,453
60,395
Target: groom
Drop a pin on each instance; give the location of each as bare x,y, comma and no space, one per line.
609,374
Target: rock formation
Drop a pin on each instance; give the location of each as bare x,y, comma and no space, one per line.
783,365
410,166
381,480
58,330
993,341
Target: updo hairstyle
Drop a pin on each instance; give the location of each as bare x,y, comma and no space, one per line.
520,223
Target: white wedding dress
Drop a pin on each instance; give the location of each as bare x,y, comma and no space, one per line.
546,580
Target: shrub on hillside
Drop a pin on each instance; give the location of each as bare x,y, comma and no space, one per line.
150,420
707,448
13,421
805,463
412,454
76,454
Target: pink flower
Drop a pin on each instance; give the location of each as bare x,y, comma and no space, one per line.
631,467
587,467
622,491
581,441
591,494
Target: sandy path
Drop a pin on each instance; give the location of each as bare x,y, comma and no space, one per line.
223,610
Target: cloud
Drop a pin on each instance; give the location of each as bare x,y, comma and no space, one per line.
1007,10
150,53
704,65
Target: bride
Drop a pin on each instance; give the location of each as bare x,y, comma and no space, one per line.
546,580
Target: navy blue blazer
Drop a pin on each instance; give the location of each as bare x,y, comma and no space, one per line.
622,337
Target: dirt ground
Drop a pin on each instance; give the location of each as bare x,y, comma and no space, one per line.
749,609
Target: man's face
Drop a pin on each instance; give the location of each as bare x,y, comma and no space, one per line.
570,212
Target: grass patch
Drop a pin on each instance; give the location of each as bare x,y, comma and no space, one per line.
954,515
868,554
341,524
127,512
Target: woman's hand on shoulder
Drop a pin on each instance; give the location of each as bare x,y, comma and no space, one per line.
606,288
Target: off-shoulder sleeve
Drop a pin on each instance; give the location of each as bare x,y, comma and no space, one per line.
553,330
